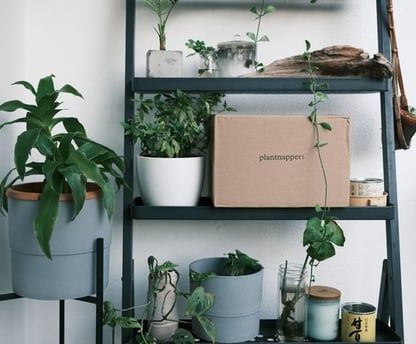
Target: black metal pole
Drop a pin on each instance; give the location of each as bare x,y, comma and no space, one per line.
61,321
100,291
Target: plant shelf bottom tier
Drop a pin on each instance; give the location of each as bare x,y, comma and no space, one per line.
268,327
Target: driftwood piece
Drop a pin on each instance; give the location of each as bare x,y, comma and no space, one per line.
337,60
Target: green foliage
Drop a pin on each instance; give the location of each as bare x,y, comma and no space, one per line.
112,319
198,303
70,158
200,48
163,9
240,264
174,124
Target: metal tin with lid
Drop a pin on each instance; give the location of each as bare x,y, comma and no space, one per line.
236,58
323,313
358,322
371,187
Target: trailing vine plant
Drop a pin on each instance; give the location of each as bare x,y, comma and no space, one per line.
259,12
322,232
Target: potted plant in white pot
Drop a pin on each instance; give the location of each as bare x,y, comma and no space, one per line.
55,220
174,132
162,62
237,283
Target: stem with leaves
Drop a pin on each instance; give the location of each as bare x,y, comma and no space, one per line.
259,12
322,232
162,9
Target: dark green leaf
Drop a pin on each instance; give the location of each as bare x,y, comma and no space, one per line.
183,336
46,217
14,105
24,144
254,10
325,125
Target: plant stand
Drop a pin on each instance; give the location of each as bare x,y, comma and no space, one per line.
98,299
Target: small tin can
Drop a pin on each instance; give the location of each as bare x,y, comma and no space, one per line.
370,187
358,322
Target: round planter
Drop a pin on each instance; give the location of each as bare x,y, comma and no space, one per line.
71,272
170,181
236,312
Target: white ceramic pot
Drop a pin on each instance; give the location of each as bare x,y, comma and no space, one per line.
170,181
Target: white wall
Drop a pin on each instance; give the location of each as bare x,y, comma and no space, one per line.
82,43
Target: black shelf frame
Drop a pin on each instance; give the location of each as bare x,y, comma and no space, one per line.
206,211
263,85
97,300
390,301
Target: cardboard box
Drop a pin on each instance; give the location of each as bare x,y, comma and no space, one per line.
271,161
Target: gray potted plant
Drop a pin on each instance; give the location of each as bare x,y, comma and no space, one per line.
174,131
160,309
54,221
162,62
237,283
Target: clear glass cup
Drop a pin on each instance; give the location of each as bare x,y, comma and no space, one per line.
292,282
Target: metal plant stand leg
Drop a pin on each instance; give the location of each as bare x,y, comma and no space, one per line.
98,300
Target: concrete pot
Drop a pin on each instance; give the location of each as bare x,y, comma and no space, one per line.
236,312
71,272
164,63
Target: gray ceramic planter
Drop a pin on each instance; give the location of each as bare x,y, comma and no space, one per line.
71,272
236,312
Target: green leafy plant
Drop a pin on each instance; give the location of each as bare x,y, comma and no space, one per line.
174,124
322,232
240,264
200,48
70,158
259,12
112,318
198,303
163,9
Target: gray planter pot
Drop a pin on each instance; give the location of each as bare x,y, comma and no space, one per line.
71,272
236,312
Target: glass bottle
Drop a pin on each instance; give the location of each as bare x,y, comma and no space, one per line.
292,294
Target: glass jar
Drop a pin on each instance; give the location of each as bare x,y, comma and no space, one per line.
323,313
208,65
236,58
291,313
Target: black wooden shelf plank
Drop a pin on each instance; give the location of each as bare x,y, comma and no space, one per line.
206,211
257,85
267,333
